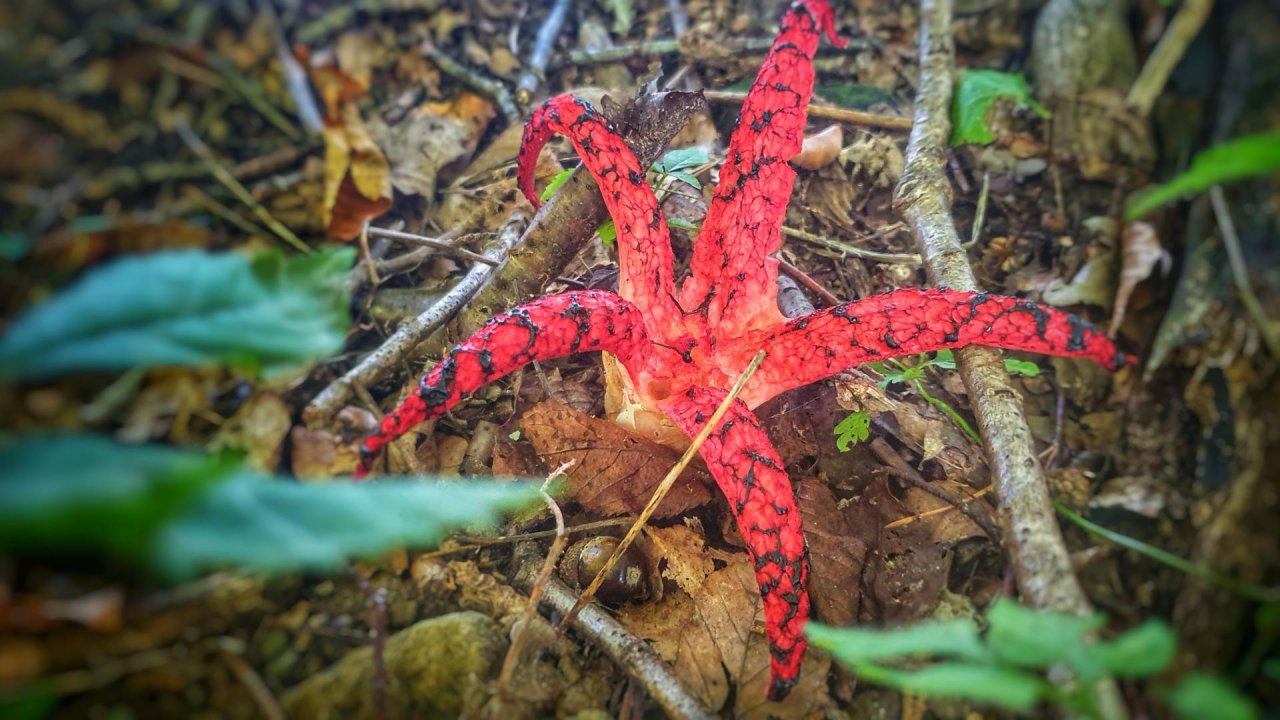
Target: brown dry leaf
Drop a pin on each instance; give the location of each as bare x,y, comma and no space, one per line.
1141,251
712,639
945,523
614,472
836,552
257,428
318,454
820,149
435,135
687,559
906,571
357,177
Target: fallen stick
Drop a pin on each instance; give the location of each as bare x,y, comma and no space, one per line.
1037,552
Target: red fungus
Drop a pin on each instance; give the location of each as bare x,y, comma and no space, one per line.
683,350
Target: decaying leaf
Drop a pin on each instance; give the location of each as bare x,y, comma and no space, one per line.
257,429
1141,251
357,177
614,472
433,136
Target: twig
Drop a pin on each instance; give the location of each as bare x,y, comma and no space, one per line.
903,470
665,46
1034,541
253,93
802,278
853,117
444,247
515,652
231,651
482,84
543,42
635,656
378,633
407,337
847,249
1155,72
1240,273
980,216
679,18
242,194
663,487
295,76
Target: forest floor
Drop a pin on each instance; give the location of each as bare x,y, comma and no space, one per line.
142,126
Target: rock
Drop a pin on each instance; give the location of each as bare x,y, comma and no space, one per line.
437,668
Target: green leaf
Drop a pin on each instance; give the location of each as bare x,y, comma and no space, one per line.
1199,695
681,224
1241,158
608,233
1140,652
68,494
177,513
852,646
1006,688
1025,368
258,523
855,428
975,93
186,308
1024,637
559,180
687,178
681,159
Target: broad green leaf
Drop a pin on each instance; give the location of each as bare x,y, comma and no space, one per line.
681,159
556,183
855,428
852,646
986,684
186,308
254,522
1140,652
1024,637
976,92
68,494
1237,159
1199,695
177,513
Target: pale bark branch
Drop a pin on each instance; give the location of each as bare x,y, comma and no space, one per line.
1041,564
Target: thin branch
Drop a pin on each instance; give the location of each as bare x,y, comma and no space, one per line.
1240,273
847,249
1041,563
242,194
635,656
443,247
1173,44
664,486
543,42
490,87
408,336
853,117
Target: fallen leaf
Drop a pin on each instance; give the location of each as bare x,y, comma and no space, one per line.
614,472
684,554
1141,251
820,149
357,177
433,136
257,428
1092,285
837,553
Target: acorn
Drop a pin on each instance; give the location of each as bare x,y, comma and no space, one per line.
630,579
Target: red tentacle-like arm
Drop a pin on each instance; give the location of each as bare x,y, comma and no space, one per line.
645,263
913,321
733,274
546,328
751,475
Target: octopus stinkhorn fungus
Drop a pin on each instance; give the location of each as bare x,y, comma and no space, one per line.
682,348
